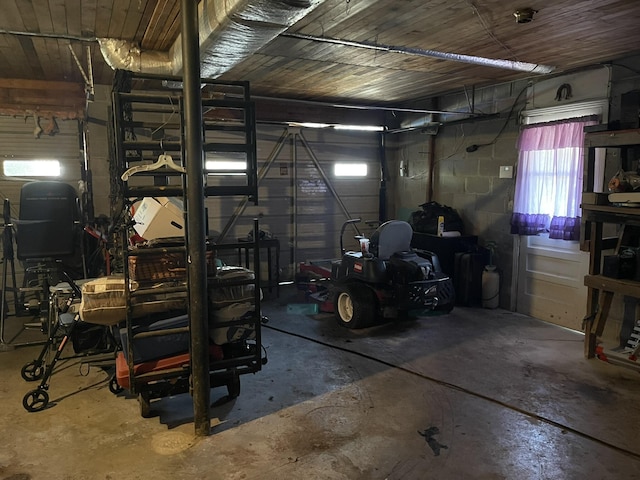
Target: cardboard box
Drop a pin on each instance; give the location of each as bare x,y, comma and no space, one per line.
159,217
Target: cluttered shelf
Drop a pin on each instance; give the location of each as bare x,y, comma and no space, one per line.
626,352
610,213
616,210
160,356
622,286
610,274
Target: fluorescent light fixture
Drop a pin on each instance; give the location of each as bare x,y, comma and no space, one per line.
311,125
343,169
31,168
361,128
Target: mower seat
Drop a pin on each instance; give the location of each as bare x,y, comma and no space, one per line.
389,238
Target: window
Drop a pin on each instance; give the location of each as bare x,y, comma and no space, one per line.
226,167
225,164
350,169
31,168
549,180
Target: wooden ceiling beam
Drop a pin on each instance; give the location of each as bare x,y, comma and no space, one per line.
63,100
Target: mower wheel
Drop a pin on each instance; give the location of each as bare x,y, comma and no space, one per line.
355,306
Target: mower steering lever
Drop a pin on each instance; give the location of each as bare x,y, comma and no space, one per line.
344,226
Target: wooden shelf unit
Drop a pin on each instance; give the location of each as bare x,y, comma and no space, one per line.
601,289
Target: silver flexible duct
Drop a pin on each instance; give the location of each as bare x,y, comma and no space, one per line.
229,31
125,55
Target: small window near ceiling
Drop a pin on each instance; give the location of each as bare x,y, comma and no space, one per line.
350,169
226,167
31,168
229,163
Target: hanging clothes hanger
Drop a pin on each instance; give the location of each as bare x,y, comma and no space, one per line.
164,160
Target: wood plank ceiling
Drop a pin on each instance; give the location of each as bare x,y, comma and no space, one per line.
36,38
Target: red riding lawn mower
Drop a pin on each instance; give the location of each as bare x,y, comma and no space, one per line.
386,279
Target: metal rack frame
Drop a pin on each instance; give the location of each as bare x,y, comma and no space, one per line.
228,127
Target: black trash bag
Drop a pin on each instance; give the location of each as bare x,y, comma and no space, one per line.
90,338
426,220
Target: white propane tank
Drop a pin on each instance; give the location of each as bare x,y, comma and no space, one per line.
490,287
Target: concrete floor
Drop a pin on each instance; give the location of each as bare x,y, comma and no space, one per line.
477,394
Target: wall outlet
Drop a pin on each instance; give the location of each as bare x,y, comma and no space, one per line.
506,171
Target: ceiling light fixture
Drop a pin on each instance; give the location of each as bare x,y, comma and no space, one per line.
337,126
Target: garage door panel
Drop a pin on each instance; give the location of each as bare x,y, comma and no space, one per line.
546,301
553,267
549,290
317,214
327,206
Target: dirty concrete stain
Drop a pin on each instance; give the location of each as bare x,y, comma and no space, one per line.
432,442
171,443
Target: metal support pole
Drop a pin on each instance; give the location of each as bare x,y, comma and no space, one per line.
7,261
294,222
196,221
384,171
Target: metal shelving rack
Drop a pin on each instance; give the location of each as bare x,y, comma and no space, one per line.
147,122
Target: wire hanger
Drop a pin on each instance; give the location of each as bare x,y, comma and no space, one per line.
164,160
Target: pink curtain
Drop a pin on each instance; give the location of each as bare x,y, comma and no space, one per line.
549,179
